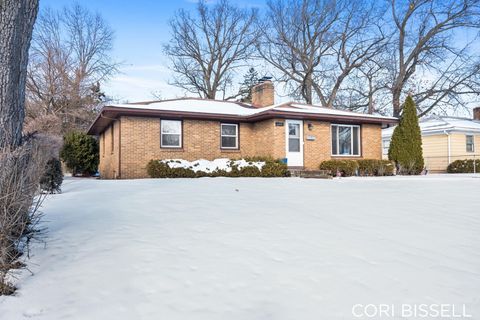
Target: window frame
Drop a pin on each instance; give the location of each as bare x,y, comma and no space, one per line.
180,140
237,136
385,142
298,136
359,138
472,144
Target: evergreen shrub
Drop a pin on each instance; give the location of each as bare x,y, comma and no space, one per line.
406,145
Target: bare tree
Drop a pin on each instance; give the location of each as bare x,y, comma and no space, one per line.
361,41
430,60
317,44
365,89
157,95
70,58
208,46
16,22
297,36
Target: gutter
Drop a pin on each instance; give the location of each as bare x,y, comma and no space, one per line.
111,114
119,149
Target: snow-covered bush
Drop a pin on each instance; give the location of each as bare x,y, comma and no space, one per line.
249,167
463,166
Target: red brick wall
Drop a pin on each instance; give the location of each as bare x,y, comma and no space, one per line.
137,141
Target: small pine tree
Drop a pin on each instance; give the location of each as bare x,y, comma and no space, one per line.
80,153
53,177
250,79
406,145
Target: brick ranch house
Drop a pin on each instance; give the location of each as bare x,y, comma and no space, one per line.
130,135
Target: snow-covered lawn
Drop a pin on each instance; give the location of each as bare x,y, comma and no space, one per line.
222,248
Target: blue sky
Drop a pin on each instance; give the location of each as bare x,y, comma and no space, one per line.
141,28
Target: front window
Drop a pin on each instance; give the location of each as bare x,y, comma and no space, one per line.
229,136
386,146
470,144
345,140
171,133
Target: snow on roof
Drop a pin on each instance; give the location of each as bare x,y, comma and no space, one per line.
239,109
195,105
434,125
316,109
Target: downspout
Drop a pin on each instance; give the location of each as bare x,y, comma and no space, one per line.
449,147
119,148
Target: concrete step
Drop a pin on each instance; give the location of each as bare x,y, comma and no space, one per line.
314,174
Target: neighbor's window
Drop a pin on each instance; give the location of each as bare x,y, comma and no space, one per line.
171,133
470,144
386,146
345,140
229,136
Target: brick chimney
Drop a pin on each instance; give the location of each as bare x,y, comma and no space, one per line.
263,94
476,113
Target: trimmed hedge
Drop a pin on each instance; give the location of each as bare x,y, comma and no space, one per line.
345,167
362,167
463,166
372,167
271,168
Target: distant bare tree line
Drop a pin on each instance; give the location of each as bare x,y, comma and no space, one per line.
69,60
363,55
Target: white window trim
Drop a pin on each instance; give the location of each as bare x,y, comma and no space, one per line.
383,146
351,142
180,134
473,143
229,135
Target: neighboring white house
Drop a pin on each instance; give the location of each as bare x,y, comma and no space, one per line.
444,140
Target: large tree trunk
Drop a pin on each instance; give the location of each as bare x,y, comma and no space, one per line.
17,180
16,24
370,96
397,107
307,88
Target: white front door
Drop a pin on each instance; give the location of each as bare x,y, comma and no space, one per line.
294,142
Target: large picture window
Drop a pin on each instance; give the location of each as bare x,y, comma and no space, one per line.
229,136
345,140
171,133
470,144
